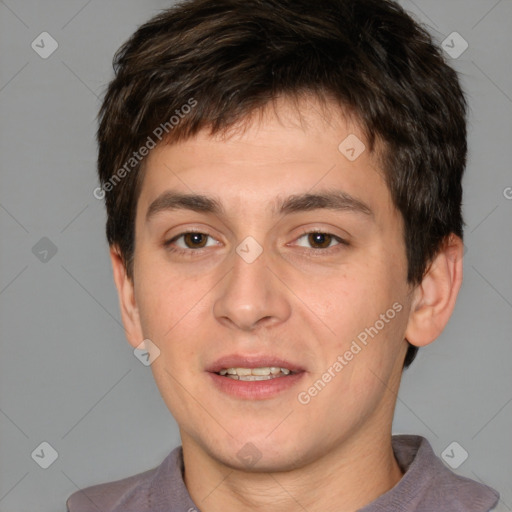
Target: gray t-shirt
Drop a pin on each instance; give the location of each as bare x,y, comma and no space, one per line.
426,486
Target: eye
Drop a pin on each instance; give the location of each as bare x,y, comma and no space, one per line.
190,240
319,240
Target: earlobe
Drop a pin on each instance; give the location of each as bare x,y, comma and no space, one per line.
434,298
127,303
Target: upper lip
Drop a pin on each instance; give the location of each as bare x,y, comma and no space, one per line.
252,361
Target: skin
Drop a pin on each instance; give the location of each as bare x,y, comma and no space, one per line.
296,301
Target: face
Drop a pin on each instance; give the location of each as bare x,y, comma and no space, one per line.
270,272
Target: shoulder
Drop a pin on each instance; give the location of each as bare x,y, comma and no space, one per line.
433,484
133,494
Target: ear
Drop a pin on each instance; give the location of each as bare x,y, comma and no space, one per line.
125,290
434,298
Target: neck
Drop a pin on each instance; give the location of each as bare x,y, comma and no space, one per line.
342,480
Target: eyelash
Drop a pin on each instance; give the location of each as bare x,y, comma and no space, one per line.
192,252
327,250
184,252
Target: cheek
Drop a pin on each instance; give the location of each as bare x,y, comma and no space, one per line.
162,301
366,313
347,301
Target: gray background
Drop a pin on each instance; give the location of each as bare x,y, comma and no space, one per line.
67,375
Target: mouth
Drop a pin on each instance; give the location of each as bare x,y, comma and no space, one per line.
254,377
255,374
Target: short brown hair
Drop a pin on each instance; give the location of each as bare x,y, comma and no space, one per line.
231,57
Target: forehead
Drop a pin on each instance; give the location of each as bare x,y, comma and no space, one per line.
285,130
284,150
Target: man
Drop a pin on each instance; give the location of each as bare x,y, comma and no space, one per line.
283,190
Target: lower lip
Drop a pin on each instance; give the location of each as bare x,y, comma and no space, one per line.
255,389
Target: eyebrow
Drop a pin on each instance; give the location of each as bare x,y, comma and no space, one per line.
330,200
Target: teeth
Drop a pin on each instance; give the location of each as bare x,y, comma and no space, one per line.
251,377
258,371
263,373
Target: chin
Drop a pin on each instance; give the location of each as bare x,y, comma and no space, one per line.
263,453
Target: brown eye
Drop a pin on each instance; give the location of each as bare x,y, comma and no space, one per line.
320,240
195,240
316,240
184,242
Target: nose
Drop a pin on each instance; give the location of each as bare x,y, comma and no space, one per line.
251,296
